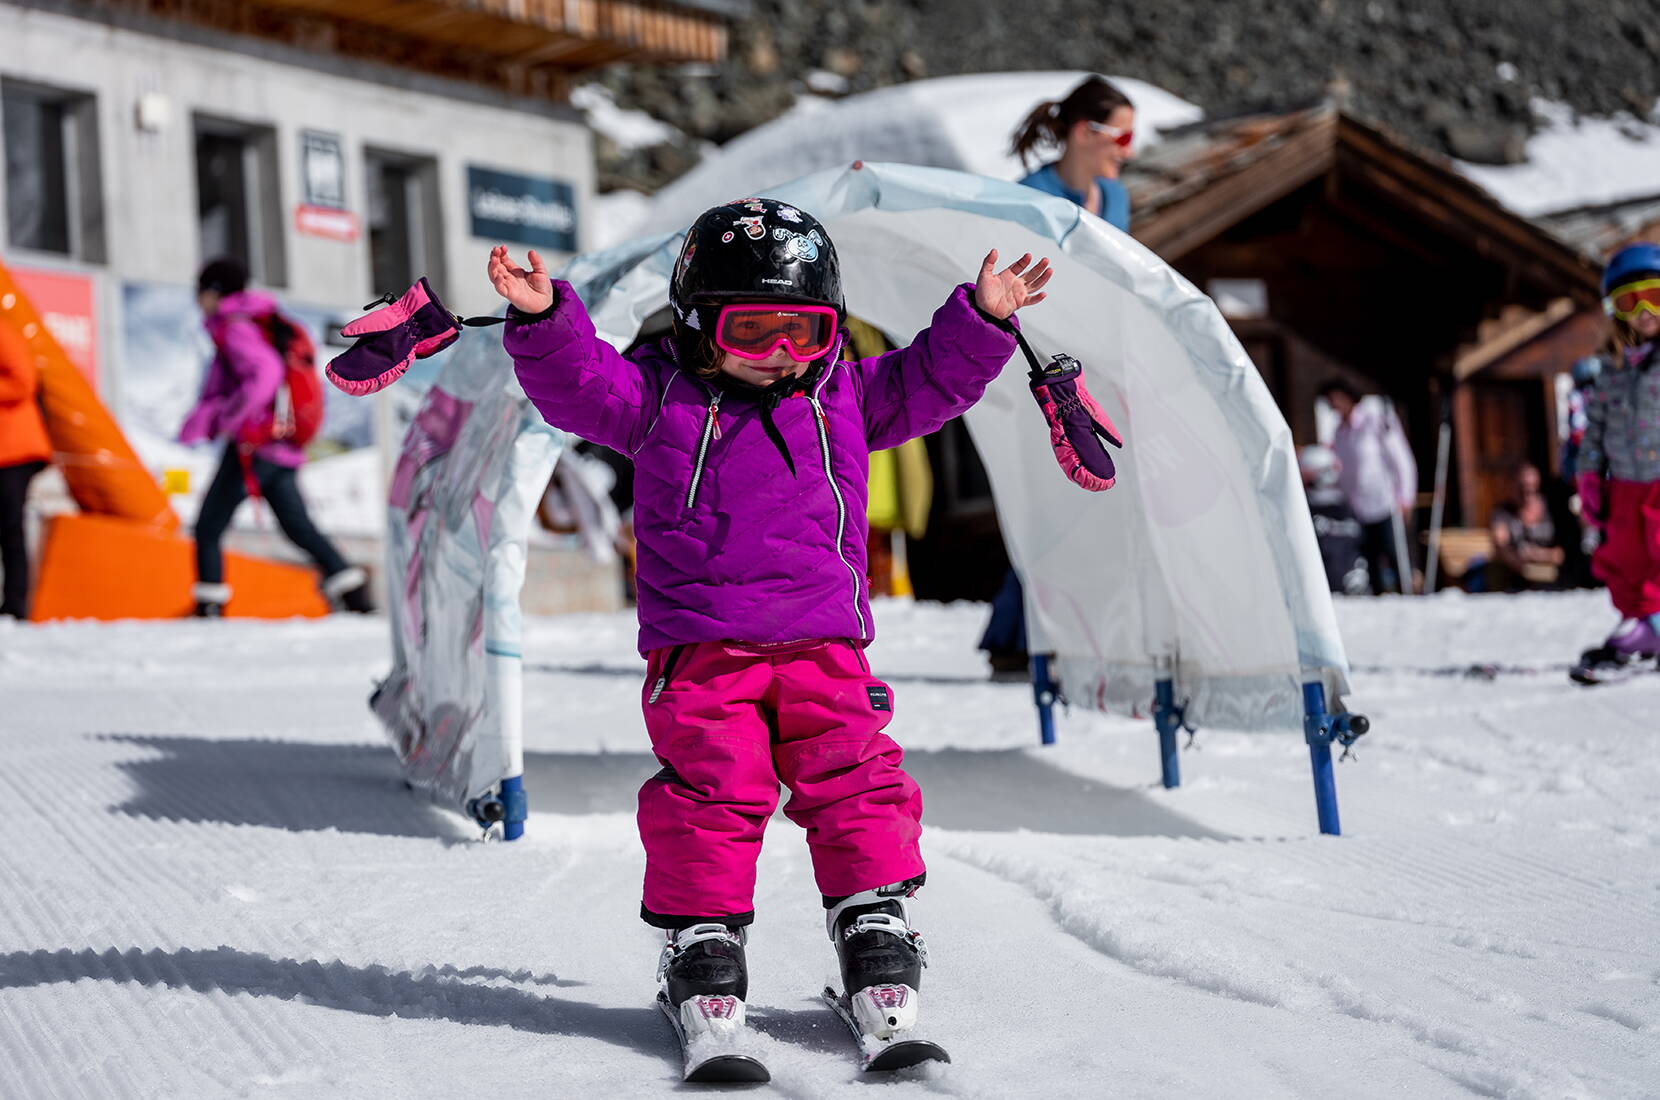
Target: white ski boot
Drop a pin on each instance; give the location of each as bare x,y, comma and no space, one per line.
703,981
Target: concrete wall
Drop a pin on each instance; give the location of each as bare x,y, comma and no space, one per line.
149,175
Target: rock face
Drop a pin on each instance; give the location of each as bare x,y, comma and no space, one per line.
1455,76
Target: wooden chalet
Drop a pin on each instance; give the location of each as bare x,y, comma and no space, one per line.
1335,249
1370,260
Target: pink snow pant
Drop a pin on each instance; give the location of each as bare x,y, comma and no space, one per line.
1628,561
729,723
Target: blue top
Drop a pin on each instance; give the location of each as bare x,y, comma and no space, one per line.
1115,199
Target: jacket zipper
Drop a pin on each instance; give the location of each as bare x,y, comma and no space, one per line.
711,428
841,505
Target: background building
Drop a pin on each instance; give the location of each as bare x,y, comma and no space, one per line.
342,149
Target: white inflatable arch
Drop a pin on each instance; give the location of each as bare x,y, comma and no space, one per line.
1200,564
1195,582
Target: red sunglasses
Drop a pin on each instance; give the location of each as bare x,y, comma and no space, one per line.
756,330
1121,138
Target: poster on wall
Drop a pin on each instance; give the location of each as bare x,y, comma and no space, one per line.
530,210
323,185
67,303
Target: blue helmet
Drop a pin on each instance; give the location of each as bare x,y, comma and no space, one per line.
1585,371
1629,262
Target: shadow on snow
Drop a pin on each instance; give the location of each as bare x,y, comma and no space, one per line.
357,788
443,994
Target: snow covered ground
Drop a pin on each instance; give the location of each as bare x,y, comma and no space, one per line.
212,882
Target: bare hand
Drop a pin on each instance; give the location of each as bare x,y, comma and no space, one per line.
1000,293
529,291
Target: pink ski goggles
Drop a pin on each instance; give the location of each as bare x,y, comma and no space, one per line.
755,331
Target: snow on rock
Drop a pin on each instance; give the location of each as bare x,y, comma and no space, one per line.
214,883
626,128
1574,161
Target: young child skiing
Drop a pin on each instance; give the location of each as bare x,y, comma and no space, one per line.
751,440
1619,472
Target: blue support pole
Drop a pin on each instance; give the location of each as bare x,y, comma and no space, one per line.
1168,718
1320,730
515,806
1044,693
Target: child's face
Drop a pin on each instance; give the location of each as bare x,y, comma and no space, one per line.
761,372
1646,325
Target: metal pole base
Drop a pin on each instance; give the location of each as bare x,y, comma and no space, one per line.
1168,719
1044,693
1320,730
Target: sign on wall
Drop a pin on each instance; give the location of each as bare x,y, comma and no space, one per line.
505,206
323,183
323,170
66,303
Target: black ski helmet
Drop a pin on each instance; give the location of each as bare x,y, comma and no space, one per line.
751,250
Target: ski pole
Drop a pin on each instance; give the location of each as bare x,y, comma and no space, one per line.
1432,566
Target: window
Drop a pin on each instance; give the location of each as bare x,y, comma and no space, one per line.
53,197
404,230
238,207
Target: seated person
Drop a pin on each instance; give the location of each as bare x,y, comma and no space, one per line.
1526,549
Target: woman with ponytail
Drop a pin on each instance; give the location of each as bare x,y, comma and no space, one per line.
1094,126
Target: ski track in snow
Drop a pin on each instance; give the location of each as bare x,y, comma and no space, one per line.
212,882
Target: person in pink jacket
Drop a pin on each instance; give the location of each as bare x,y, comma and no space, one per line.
751,438
241,389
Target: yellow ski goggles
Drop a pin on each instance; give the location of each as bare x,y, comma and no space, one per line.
1625,302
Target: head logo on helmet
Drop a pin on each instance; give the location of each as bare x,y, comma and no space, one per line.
766,251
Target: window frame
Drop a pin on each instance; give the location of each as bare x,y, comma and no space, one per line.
423,202
263,205
82,168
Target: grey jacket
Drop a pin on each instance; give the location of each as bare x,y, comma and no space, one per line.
1622,420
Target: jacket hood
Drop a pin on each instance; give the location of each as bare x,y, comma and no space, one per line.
247,303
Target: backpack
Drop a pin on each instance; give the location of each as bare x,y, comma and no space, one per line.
297,413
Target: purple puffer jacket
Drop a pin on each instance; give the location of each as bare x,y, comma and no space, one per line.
731,547
243,379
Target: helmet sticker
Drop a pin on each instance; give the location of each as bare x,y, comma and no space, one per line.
789,213
755,205
752,227
726,238
800,247
687,253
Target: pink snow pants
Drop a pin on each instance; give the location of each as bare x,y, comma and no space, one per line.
729,723
1628,561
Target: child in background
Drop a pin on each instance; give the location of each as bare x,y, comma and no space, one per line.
751,440
241,388
1619,465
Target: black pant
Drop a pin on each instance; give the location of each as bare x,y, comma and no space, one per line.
280,489
14,551
1377,546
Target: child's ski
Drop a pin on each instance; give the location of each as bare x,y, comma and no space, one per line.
1604,666
717,1055
877,1053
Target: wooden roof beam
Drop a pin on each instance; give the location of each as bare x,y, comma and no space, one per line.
1177,229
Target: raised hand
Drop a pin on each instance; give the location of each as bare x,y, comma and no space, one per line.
1000,293
529,291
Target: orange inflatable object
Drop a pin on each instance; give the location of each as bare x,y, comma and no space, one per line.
96,567
104,475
